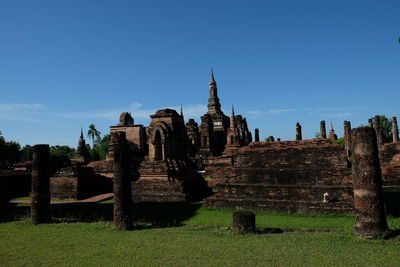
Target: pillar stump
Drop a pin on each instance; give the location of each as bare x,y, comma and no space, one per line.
122,182
40,205
322,129
243,222
256,135
367,185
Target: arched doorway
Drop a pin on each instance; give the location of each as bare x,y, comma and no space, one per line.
158,154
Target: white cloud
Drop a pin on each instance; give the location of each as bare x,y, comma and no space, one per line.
138,112
283,110
7,107
340,115
21,112
253,112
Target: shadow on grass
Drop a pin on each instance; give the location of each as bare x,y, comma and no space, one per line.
145,215
13,212
392,203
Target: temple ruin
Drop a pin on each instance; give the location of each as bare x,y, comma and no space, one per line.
217,161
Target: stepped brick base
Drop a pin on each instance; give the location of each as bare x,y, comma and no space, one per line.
283,198
172,181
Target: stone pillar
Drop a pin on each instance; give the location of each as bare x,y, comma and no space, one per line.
243,222
122,182
378,130
347,138
40,205
322,129
395,130
367,185
370,123
298,132
256,135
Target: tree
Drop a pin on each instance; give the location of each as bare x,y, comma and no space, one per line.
386,125
9,153
101,147
61,151
26,153
93,134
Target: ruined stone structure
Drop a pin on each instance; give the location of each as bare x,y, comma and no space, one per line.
298,132
395,130
283,176
82,153
122,182
322,129
233,136
243,222
193,133
270,139
332,134
347,138
167,174
256,135
378,130
219,119
206,136
135,134
40,205
367,182
80,182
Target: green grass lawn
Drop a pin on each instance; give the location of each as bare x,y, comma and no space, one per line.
203,240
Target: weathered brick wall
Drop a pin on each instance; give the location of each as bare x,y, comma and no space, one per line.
267,175
390,164
64,187
79,182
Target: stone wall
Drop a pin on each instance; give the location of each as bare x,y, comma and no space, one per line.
283,176
390,165
64,187
76,182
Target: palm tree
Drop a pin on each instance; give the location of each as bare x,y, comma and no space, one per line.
93,134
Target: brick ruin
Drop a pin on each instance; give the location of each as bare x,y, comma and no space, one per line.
217,161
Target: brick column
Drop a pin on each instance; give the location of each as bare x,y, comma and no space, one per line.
122,182
256,135
367,185
378,130
395,130
322,129
40,205
347,138
298,132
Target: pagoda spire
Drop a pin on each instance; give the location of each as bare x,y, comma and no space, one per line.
213,102
81,133
212,79
181,110
233,118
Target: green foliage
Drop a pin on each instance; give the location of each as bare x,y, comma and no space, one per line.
340,142
61,151
26,153
386,128
9,153
93,134
100,149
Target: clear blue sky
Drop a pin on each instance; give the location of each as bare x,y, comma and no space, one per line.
69,63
